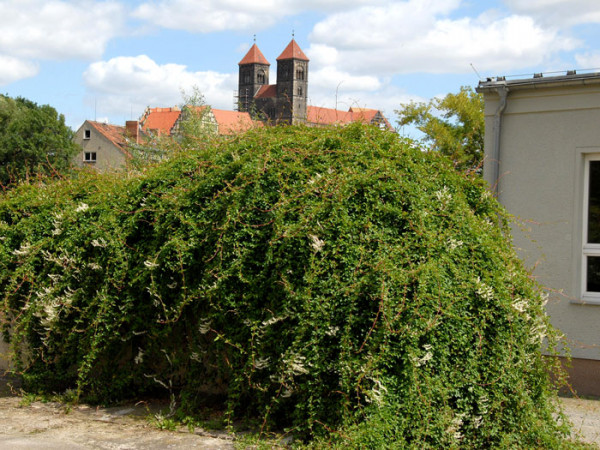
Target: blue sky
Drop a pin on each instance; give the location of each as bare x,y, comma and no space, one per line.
111,59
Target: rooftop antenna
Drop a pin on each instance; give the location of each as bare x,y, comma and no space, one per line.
475,70
95,109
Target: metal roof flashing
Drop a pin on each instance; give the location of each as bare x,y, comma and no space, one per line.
539,81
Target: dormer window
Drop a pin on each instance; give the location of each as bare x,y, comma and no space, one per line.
87,134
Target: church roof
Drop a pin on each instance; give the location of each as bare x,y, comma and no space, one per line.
292,51
267,91
254,56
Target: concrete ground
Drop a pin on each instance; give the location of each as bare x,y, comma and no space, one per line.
55,426
585,417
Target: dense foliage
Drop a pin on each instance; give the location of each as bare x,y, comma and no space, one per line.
339,282
453,125
33,140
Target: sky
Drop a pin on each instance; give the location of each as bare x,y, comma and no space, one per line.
109,60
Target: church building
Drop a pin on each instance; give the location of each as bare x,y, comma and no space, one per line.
286,100
283,102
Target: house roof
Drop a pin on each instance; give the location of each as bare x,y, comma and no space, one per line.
254,56
267,91
232,122
329,116
160,120
114,133
292,51
539,80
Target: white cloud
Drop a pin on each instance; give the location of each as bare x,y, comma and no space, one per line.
132,83
558,13
590,60
419,36
13,69
42,29
218,15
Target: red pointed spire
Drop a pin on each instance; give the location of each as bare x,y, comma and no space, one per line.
254,56
292,51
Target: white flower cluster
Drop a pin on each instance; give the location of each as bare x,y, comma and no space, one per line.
100,242
140,357
23,250
418,362
443,195
316,243
377,393
261,363
332,331
272,320
454,243
296,364
314,179
204,326
82,207
520,305
454,428
484,291
150,265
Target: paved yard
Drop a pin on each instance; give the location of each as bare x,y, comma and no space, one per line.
53,426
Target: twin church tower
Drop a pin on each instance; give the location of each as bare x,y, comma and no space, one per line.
283,102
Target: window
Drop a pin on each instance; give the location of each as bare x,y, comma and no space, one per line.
261,77
87,134
300,73
300,91
89,156
590,272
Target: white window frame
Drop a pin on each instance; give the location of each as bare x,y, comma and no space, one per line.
587,249
87,134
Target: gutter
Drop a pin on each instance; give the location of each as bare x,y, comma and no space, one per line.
502,91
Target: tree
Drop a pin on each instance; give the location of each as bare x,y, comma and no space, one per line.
453,125
33,140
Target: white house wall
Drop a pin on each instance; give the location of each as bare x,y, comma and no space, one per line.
545,133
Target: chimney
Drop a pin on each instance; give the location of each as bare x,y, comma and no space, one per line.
133,130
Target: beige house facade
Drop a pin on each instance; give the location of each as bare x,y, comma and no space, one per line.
542,159
104,146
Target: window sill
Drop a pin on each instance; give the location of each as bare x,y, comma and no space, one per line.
588,299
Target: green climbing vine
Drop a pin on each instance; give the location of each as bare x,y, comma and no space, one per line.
339,282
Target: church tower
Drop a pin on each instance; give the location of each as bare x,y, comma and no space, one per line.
254,73
292,84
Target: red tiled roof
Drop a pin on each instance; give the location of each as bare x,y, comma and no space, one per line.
254,56
328,116
160,120
232,122
114,133
228,122
292,51
267,91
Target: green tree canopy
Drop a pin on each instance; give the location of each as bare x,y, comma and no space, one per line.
33,140
453,125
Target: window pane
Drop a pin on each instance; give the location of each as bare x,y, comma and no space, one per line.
593,274
594,204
